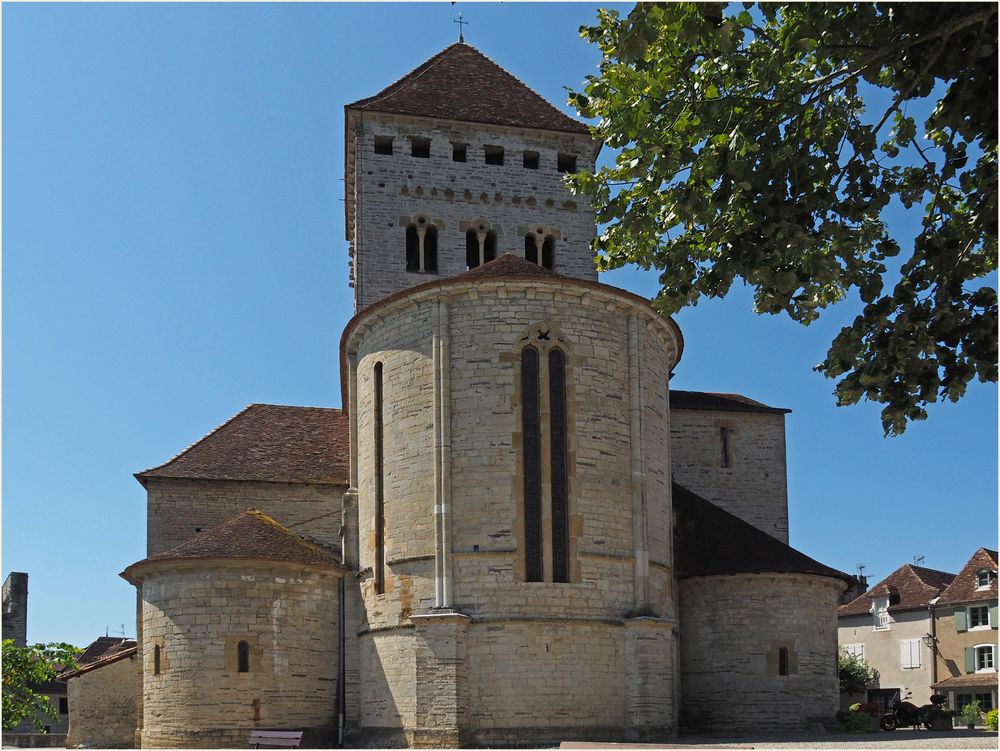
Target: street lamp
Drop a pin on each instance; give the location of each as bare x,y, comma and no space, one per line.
928,641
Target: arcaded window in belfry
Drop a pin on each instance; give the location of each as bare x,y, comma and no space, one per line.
540,250
480,247
378,566
421,246
243,657
532,448
560,479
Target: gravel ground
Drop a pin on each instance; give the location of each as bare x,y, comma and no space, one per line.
899,739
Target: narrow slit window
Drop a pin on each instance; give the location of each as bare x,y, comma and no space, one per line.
560,495
378,567
783,661
724,448
156,660
243,657
566,162
383,145
431,250
420,147
493,154
532,446
531,160
458,152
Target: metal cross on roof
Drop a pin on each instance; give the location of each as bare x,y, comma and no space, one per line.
461,23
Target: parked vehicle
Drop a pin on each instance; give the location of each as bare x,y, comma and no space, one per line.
903,714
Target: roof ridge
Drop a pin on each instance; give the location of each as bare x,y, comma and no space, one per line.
204,438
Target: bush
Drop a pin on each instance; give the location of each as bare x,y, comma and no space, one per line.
860,722
971,713
991,720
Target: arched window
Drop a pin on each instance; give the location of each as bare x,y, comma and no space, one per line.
783,661
243,657
421,246
378,568
156,660
540,249
480,247
531,431
560,479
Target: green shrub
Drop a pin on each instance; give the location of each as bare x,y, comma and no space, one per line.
991,720
971,713
860,722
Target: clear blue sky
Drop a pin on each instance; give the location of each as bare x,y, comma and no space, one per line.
173,249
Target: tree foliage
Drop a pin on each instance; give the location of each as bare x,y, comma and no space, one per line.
25,670
856,675
765,143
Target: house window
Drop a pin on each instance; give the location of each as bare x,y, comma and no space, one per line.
531,160
480,246
540,249
493,154
458,151
156,660
909,653
378,567
984,658
566,162
421,246
420,147
985,700
979,616
983,578
63,705
783,661
855,650
724,448
532,449
383,145
243,657
880,613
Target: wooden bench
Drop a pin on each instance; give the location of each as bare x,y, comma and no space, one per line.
286,738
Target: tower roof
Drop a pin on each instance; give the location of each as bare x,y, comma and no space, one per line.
252,535
461,83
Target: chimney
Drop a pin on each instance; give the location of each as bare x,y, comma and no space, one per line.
855,590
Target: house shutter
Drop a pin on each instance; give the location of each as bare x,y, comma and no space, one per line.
915,653
904,653
960,620
970,659
993,616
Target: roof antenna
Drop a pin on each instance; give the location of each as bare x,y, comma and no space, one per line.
861,569
461,23
918,560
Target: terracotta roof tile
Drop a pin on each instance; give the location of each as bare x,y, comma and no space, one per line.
709,541
970,680
268,443
725,402
252,535
964,587
101,647
908,587
107,659
461,83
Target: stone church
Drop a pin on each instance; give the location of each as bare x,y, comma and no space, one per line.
513,532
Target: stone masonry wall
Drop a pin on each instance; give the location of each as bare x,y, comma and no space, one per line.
179,509
511,198
754,486
15,608
198,613
731,629
102,706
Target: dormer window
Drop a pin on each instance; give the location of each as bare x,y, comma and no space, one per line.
880,613
420,147
983,578
383,145
566,162
421,246
493,154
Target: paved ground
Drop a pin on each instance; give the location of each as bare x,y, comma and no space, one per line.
898,739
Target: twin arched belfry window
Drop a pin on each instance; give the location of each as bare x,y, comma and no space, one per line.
421,246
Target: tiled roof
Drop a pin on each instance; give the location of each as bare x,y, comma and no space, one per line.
252,535
509,266
461,83
107,659
724,402
709,541
101,647
907,587
964,589
971,680
268,443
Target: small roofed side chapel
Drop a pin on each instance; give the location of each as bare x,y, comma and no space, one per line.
513,532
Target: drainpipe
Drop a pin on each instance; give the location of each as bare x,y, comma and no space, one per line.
934,651
341,693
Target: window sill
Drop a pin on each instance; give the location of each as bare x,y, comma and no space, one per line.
980,628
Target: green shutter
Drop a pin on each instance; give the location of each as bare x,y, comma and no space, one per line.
960,620
993,616
970,659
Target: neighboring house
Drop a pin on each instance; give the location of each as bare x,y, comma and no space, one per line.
890,627
102,695
965,626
